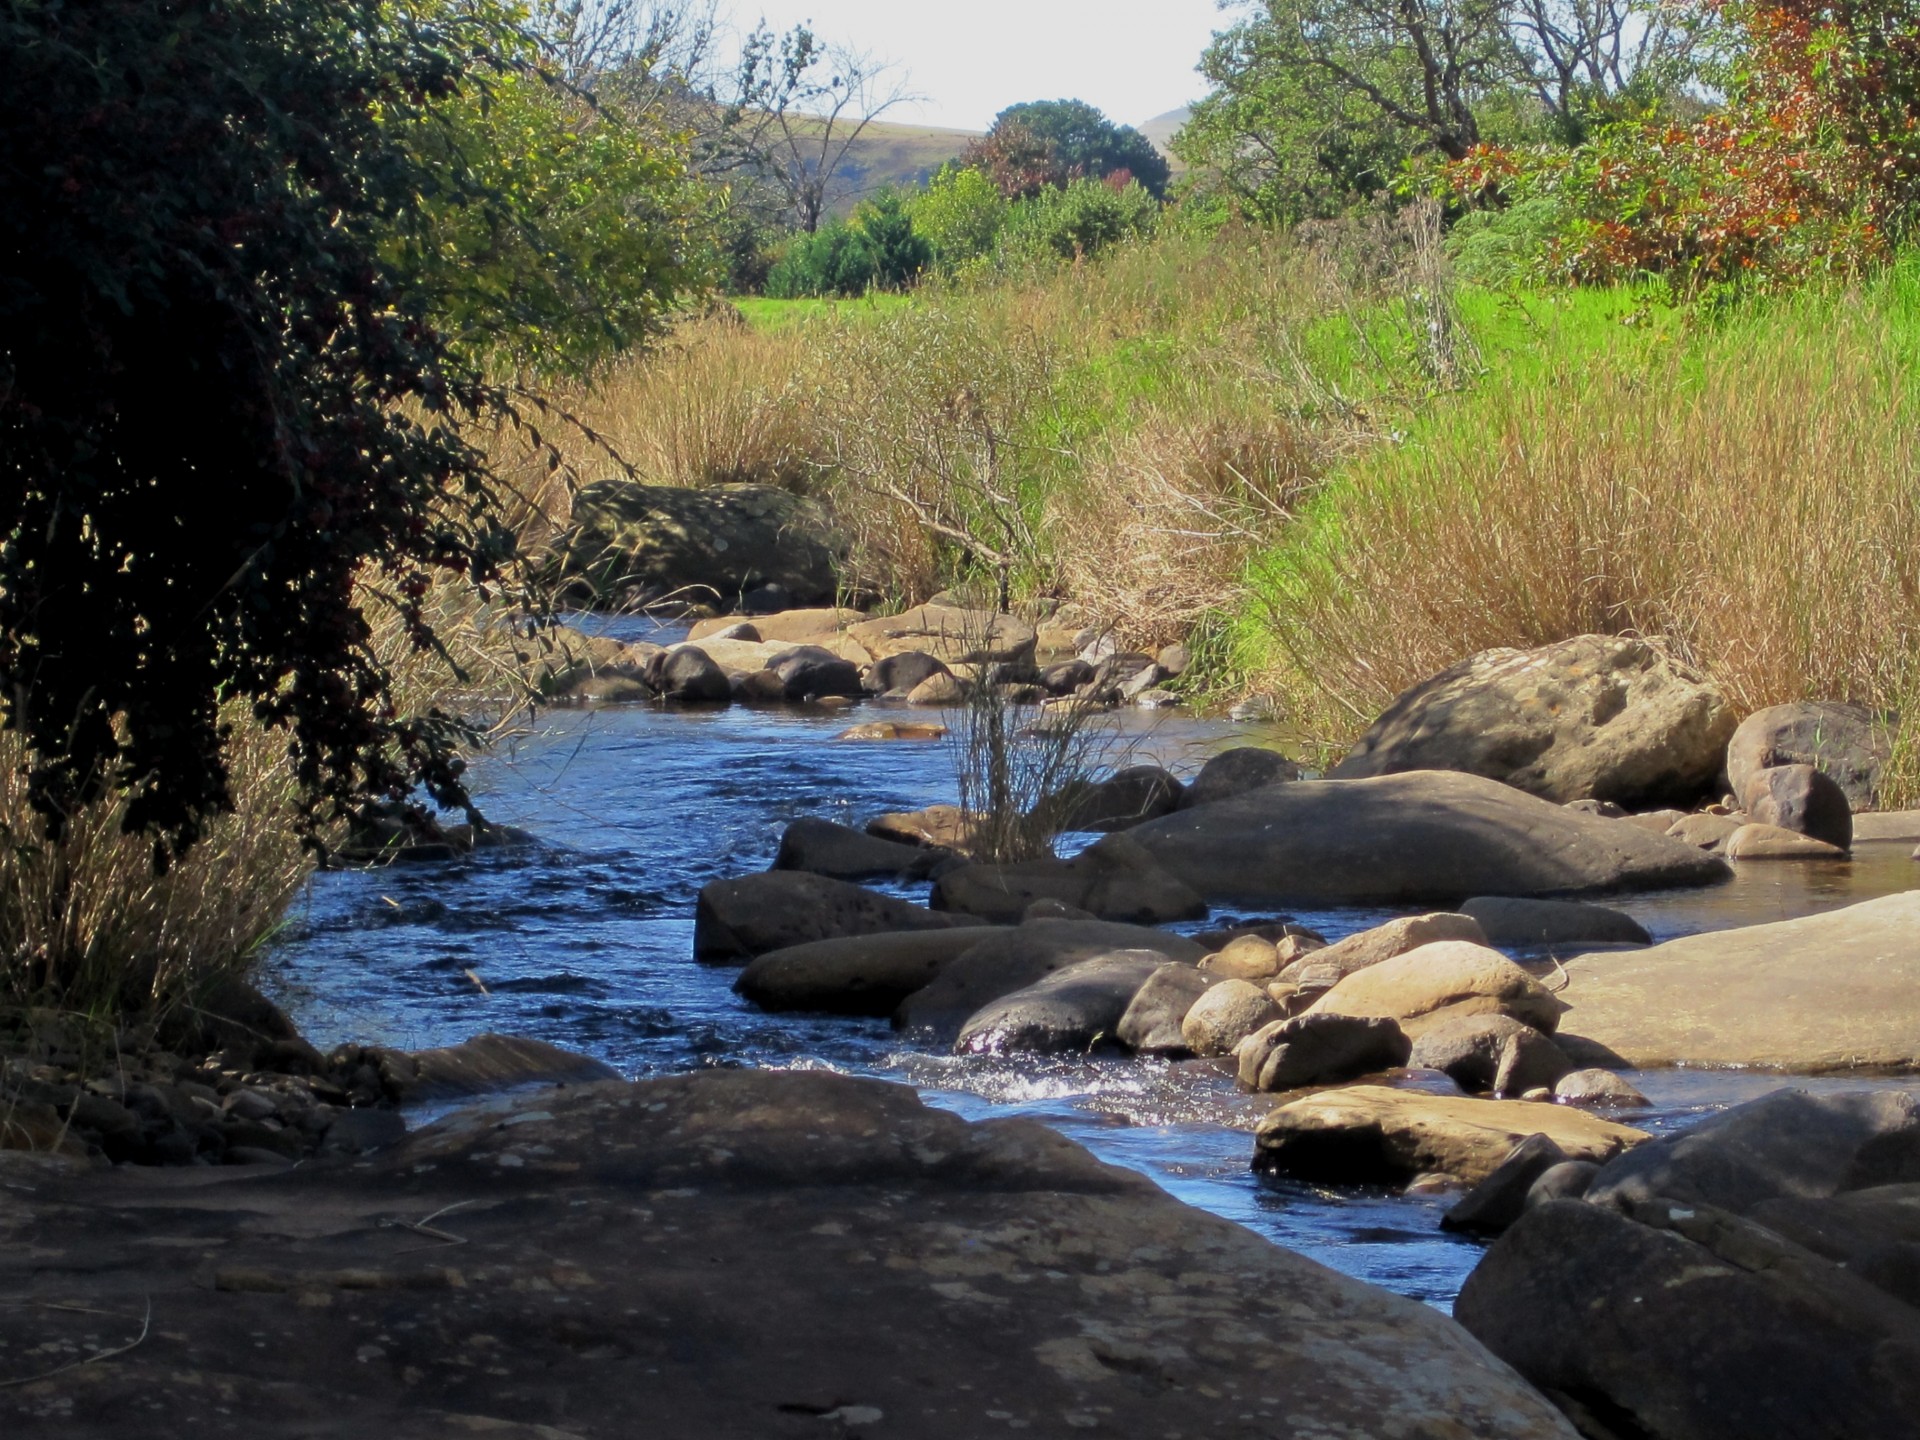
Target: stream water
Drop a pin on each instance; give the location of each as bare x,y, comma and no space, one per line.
587,941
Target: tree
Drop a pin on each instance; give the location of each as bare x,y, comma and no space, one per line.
900,253
960,212
1016,160
1083,219
235,361
1086,143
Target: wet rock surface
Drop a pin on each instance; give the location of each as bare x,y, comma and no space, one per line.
727,1254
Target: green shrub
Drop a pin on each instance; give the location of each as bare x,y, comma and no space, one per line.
961,213
1080,221
900,254
835,260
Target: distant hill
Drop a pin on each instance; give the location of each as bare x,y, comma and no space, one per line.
890,153
1162,128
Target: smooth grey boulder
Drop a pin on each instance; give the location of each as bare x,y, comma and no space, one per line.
1530,924
1319,1050
1236,771
1152,1023
686,673
1070,1011
855,974
811,672
1018,957
1596,717
1847,743
1113,879
700,543
903,672
1704,1328
1787,1144
1123,800
1502,1198
727,1255
1801,799
1831,991
751,914
1874,1232
1420,838
822,847
1491,1053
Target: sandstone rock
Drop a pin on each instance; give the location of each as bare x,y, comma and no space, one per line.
1826,992
1130,797
483,1065
1785,1144
821,847
1248,957
1502,1198
903,673
938,690
1409,839
1605,809
1595,717
893,730
1528,924
1383,942
1369,1134
679,1251
793,627
712,542
1738,1337
1174,659
1151,1025
1113,879
1598,1088
1225,1015
1439,975
1660,822
1706,832
1018,957
1068,1011
1844,742
954,637
1318,1050
942,827
1801,799
1903,825
1770,842
1236,771
1491,1053
855,974
751,914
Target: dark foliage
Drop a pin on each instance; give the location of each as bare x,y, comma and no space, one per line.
220,402
1086,143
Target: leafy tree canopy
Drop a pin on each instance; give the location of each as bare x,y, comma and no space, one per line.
250,258
1086,143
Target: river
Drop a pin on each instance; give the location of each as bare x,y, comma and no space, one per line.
587,941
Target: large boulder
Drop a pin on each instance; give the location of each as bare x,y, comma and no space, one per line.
688,674
855,974
1540,924
731,1253
1370,1134
1226,1014
1383,942
1018,957
792,627
1236,771
1491,1053
811,672
1824,992
714,543
951,636
1431,836
1801,799
1694,1326
1319,1050
1114,880
1596,717
901,674
1847,743
1152,1023
1069,1011
1127,798
749,915
1444,979
822,847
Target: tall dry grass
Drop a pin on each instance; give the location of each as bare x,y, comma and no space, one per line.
1753,499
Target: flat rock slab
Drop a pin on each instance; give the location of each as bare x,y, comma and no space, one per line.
731,1254
1826,992
1422,837
1371,1134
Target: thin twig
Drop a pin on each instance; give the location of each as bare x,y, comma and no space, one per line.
425,1227
145,1325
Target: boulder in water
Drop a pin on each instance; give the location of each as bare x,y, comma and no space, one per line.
749,915
1442,980
1801,799
1068,1011
855,974
1234,772
1846,743
822,847
1112,879
1319,1050
1533,924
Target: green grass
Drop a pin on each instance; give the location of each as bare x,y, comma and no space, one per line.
774,316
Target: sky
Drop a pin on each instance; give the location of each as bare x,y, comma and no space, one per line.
970,59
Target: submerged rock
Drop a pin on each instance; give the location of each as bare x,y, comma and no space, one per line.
1409,839
1526,924
681,1250
1596,717
751,914
822,847
1825,992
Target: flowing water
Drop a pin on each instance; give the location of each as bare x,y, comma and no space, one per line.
587,941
